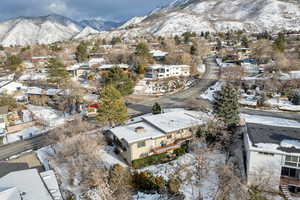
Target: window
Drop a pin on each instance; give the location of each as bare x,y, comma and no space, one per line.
169,136
141,144
143,155
292,161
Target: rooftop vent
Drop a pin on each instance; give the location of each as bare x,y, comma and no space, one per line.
140,129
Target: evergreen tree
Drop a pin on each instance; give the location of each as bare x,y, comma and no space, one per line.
296,98
119,80
279,43
112,109
193,50
245,42
57,72
82,52
187,37
226,105
142,49
156,109
116,40
177,40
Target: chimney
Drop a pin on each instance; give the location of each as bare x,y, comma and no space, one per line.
140,129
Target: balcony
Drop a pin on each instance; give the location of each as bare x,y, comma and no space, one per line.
166,148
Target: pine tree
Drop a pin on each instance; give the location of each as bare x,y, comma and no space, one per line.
142,49
57,72
119,80
296,98
226,105
112,109
156,109
81,52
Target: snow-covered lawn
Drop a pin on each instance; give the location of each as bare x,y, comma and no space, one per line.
272,121
49,116
184,167
209,93
283,104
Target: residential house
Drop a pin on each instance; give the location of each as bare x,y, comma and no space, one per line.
29,184
106,67
154,134
167,71
273,155
41,97
250,66
158,55
79,70
95,62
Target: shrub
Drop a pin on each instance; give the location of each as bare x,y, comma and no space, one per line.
181,151
296,98
150,160
146,181
173,185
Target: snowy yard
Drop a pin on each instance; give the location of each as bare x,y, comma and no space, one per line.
209,93
49,116
184,167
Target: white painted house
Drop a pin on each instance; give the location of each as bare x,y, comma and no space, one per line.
167,71
273,156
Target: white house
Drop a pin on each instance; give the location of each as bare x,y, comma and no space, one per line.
158,54
96,61
155,134
273,156
10,87
167,71
29,184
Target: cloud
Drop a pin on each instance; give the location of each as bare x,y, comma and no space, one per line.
79,9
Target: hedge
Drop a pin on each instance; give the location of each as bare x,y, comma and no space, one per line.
150,160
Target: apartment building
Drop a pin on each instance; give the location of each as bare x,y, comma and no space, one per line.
167,71
155,134
273,156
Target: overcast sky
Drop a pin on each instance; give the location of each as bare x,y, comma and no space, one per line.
79,9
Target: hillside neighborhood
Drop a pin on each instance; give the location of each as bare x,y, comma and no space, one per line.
150,109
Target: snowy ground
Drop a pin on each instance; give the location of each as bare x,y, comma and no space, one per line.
184,168
283,104
49,116
209,93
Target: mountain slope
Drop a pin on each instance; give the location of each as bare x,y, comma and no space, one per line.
222,15
86,32
37,30
99,24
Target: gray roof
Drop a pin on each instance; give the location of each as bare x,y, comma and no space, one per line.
27,182
259,133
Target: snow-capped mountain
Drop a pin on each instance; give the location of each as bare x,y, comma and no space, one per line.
86,32
133,21
222,15
37,30
100,24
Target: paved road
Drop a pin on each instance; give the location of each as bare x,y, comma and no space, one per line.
15,148
181,99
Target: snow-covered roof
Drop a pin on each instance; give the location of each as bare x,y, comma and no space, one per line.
174,121
109,66
157,66
51,183
34,90
274,138
26,182
76,66
155,126
158,53
129,134
96,60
